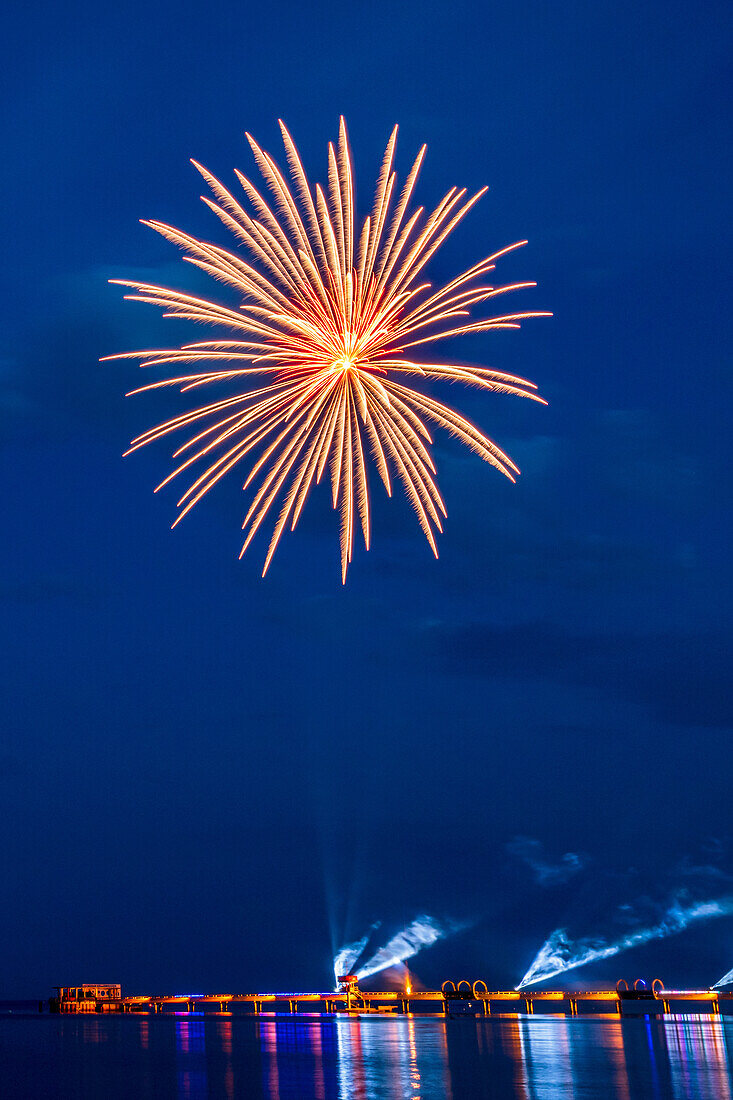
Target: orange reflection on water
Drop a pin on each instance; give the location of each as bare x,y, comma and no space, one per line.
93,1033
513,1043
224,1032
414,1072
617,1054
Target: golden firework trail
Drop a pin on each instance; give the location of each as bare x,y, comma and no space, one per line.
330,320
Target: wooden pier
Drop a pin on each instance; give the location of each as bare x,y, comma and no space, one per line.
454,999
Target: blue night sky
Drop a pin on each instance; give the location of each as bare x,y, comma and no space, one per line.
209,780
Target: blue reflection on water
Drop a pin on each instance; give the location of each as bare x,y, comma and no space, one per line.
652,1060
367,1058
191,1051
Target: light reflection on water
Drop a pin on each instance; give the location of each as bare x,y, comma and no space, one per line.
528,1058
347,1058
698,1058
191,1060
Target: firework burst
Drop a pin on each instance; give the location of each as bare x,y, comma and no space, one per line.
330,320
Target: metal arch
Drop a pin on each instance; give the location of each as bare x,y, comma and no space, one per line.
463,981
640,984
474,989
620,982
446,983
657,988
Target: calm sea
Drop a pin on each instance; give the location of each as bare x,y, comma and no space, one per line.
532,1058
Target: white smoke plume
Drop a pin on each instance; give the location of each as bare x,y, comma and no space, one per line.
348,956
727,979
421,932
560,953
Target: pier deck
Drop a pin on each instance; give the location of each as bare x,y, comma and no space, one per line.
476,1002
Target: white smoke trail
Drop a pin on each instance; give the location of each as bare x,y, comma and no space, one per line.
422,932
349,955
725,980
559,953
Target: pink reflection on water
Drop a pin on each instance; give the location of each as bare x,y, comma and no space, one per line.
698,1057
319,1080
267,1034
190,1050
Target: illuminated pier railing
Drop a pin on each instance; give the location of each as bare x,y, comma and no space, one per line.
454,999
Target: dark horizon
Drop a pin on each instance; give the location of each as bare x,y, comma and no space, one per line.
214,781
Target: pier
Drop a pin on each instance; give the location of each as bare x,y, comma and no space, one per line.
462,998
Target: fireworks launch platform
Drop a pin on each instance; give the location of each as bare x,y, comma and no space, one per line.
454,999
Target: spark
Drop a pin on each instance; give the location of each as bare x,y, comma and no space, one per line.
329,316
559,953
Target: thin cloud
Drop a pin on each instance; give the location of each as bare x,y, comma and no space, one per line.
546,872
683,678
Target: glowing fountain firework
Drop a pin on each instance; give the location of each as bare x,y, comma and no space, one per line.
420,933
560,953
330,320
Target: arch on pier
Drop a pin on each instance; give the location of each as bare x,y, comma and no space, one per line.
639,984
657,985
444,987
475,990
622,985
467,984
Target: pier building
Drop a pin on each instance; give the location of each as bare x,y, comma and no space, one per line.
88,997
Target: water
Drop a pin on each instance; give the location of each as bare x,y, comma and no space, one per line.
338,1058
